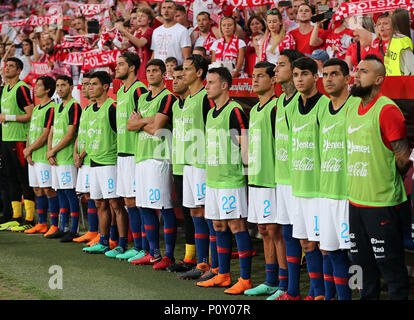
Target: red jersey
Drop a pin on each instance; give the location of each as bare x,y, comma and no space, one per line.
302,40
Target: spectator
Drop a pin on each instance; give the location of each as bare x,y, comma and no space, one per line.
360,46
201,51
229,49
253,57
205,34
209,6
276,38
255,25
399,58
335,40
302,34
319,56
79,24
181,17
383,30
170,39
27,57
141,40
170,64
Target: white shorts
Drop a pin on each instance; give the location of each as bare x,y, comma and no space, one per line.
154,189
334,224
306,219
125,173
285,205
83,181
262,205
64,176
40,175
223,204
194,187
103,182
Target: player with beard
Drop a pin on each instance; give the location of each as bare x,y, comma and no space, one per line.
128,95
378,159
334,214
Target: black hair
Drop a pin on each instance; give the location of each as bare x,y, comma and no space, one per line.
178,68
200,48
200,63
132,59
30,42
65,78
306,63
103,77
17,61
181,8
205,13
292,55
268,66
373,57
338,62
157,62
224,74
87,74
48,83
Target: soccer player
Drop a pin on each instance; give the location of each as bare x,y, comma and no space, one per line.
226,198
83,163
334,213
153,167
262,186
194,115
378,158
305,169
61,142
181,89
285,208
16,110
127,100
40,170
101,146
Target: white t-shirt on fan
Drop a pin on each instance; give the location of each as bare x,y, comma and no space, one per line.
168,42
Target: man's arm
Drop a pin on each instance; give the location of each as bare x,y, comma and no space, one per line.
186,52
67,138
136,122
159,121
401,151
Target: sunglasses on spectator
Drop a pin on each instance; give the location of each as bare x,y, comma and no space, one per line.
273,11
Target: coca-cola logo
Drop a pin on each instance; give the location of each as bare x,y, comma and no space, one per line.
305,164
332,165
358,169
282,155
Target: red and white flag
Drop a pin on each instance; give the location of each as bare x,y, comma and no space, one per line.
102,59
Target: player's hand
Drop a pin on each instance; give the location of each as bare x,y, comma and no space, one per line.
2,118
52,161
50,154
29,160
134,116
27,152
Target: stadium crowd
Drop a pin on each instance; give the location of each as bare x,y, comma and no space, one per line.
331,200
